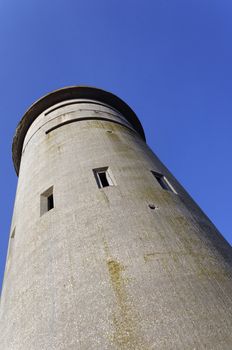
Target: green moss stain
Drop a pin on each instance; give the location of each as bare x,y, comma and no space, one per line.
115,270
125,335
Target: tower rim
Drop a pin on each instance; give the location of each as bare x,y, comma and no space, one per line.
65,94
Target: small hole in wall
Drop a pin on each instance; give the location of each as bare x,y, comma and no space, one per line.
109,131
152,206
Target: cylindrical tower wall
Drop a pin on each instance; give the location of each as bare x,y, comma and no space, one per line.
124,260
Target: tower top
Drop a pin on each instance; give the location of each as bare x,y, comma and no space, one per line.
65,94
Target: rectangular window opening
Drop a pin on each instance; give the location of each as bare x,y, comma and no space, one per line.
164,183
104,177
46,201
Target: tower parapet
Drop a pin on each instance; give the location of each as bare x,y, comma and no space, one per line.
68,94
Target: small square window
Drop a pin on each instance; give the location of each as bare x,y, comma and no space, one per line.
103,177
164,183
46,201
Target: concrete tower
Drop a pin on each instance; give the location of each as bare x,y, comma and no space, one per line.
106,249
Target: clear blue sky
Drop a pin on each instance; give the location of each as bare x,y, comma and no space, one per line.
170,60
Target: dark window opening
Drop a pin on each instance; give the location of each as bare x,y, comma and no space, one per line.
13,233
103,177
46,201
50,202
164,183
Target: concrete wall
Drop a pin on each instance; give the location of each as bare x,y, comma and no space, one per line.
102,270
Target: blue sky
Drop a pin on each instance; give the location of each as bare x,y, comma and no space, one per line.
170,60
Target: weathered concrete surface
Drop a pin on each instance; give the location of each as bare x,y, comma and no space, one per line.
102,270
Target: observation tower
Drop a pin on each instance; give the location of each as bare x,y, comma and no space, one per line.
107,250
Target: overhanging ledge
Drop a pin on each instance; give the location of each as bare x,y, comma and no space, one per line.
65,94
